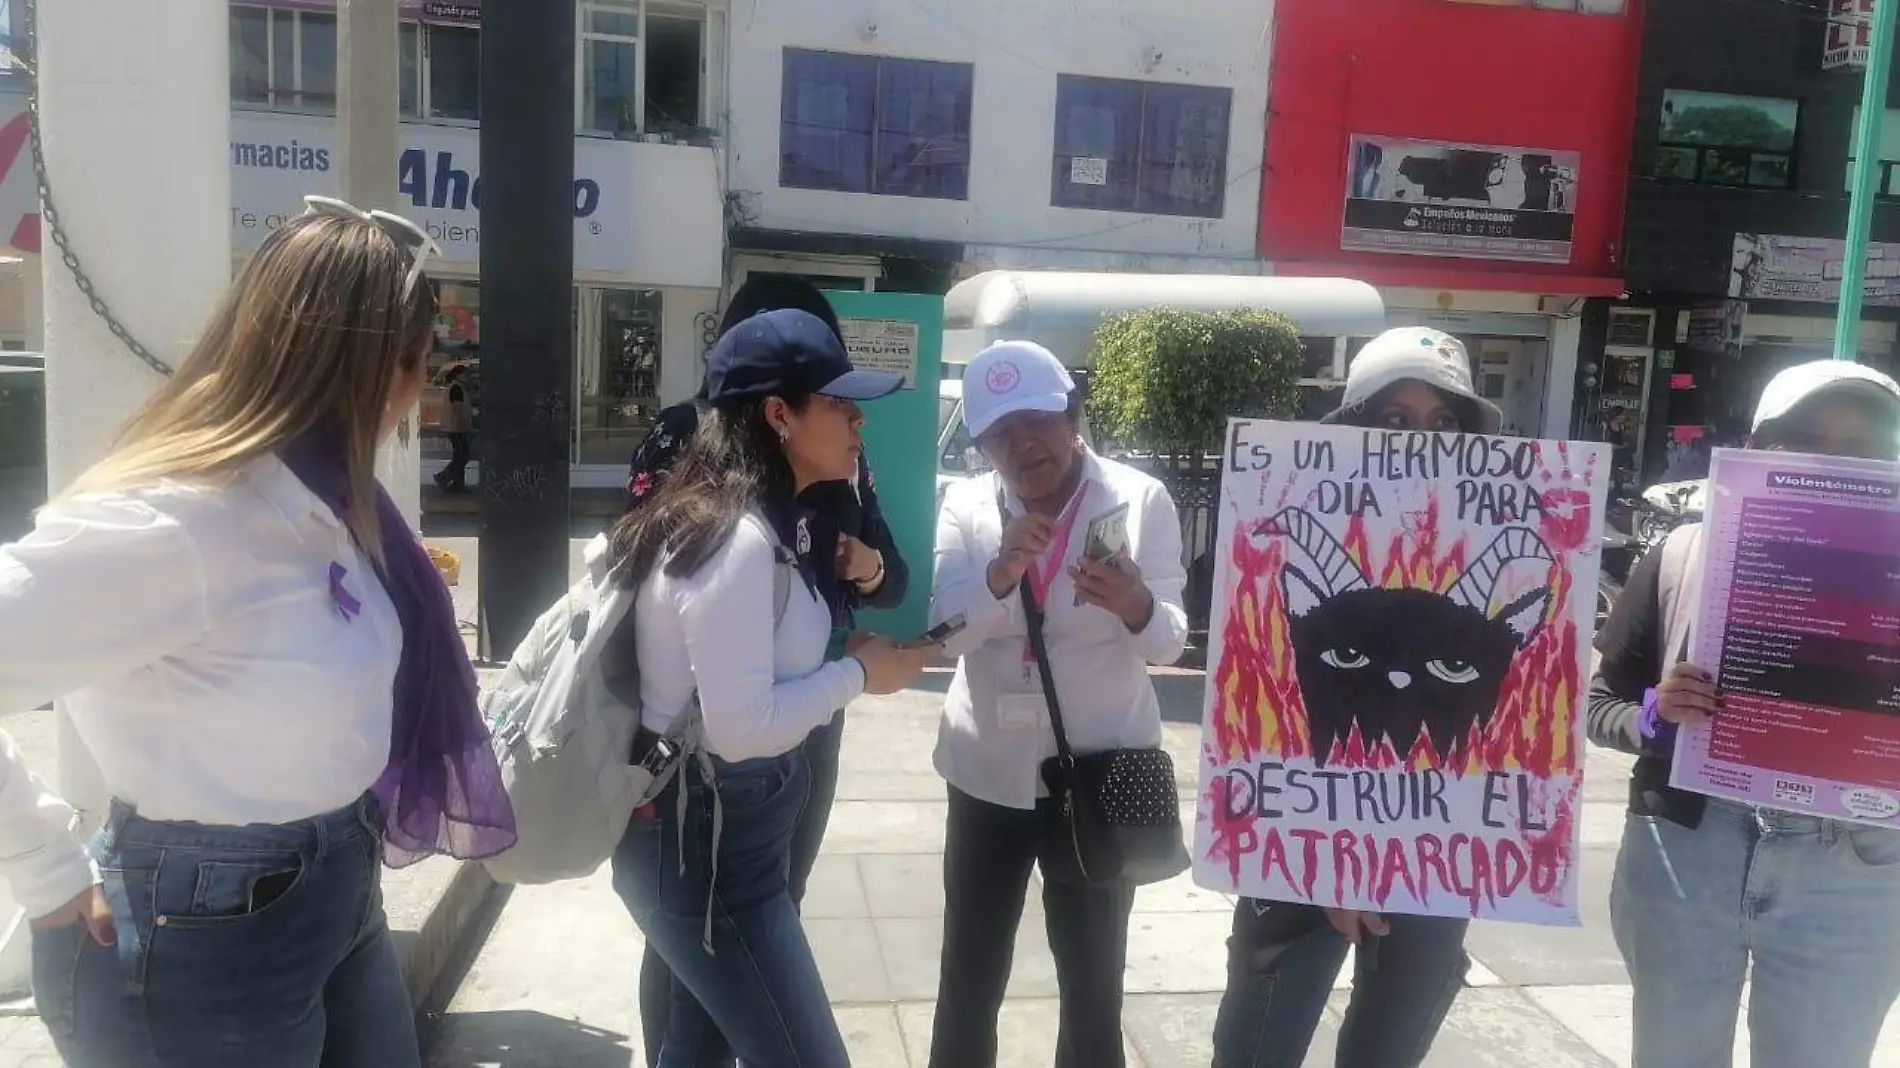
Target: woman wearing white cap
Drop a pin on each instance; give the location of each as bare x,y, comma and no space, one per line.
1708,892
1012,535
1282,958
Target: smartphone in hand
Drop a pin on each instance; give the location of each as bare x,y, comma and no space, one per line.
1107,537
940,633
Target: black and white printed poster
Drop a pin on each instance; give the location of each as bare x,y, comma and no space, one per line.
1431,198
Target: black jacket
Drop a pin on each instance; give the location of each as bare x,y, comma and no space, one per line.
835,508
1631,644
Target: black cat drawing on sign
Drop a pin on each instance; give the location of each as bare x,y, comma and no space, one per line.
1401,662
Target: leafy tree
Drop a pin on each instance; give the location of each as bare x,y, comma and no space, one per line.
1732,125
1166,380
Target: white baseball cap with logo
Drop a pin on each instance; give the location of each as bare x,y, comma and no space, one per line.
1799,384
1010,377
1415,354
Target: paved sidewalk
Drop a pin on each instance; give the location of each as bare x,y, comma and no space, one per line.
555,984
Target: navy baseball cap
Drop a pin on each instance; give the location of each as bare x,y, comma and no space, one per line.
788,353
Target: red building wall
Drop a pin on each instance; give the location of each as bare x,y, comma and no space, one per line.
1513,76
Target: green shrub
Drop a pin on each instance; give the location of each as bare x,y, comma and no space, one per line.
1166,381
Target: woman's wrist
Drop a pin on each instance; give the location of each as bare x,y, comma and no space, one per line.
875,579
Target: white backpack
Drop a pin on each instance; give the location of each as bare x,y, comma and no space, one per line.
564,723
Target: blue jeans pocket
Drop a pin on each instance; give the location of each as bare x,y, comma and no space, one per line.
1875,847
232,891
56,976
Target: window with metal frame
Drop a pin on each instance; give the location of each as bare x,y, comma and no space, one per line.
1726,139
283,59
1140,146
874,124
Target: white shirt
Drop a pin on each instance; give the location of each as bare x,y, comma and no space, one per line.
760,694
202,655
996,730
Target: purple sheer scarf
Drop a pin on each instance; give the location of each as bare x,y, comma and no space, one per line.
441,792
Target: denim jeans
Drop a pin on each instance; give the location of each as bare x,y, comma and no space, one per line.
1281,962
656,980
1814,907
238,947
759,986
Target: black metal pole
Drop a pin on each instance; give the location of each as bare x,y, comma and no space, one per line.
527,285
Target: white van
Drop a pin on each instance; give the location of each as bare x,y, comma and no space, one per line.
1061,310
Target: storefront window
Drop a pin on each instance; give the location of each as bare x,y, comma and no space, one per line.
617,355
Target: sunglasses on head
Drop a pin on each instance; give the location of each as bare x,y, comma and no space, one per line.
405,233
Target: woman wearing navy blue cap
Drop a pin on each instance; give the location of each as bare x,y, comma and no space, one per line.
705,869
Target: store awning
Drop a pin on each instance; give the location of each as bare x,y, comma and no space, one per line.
1420,277
1012,299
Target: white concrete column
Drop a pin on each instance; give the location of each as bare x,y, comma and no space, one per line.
1560,378
368,66
137,149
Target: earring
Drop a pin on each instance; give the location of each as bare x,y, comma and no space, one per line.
784,436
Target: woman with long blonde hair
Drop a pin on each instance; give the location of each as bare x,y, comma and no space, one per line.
257,652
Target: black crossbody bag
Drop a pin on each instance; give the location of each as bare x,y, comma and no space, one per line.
1117,815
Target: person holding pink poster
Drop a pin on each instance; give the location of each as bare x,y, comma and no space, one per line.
1710,892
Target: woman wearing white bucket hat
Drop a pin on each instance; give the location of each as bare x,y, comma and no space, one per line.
1282,958
1710,893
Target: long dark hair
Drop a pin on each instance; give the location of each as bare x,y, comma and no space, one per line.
733,463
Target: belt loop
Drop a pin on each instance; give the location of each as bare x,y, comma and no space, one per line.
322,836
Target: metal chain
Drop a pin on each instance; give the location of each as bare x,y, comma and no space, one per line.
49,214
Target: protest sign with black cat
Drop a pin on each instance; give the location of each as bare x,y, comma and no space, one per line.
1397,659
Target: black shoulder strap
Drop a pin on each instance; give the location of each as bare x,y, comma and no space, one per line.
1038,647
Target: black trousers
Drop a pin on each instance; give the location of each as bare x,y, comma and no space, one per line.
456,473
989,853
656,979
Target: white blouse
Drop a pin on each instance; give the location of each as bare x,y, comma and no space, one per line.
711,632
211,663
996,729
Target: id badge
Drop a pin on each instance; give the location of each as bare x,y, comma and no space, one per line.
1019,711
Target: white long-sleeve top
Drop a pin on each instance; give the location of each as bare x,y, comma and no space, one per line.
205,654
996,730
711,632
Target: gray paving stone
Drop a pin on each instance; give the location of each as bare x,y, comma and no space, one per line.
1171,1030
1525,954
835,890
872,1034
1177,953
1025,1034
886,827
910,886
1501,1029
879,785
849,960
1179,894
913,951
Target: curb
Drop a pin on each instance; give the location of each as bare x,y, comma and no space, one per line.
455,915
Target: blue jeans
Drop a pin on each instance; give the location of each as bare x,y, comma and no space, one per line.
1813,905
238,947
1281,961
759,985
657,987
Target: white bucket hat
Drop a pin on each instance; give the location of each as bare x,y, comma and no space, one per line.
1009,377
1417,354
1799,384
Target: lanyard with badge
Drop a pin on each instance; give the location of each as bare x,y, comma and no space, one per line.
1041,574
